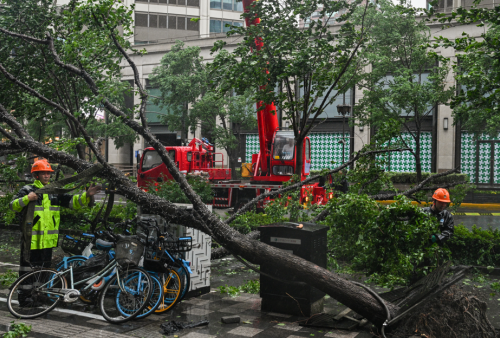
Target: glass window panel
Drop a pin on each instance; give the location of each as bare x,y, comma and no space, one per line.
226,26
141,20
141,0
163,1
172,2
162,21
389,79
193,3
215,26
227,5
238,23
153,111
330,110
181,23
215,4
193,25
153,20
172,22
181,2
284,146
238,6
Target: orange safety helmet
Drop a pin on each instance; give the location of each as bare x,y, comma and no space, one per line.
441,195
41,165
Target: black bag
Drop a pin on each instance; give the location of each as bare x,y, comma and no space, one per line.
90,267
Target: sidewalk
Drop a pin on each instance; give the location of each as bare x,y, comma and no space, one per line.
212,307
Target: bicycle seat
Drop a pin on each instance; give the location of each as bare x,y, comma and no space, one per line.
103,245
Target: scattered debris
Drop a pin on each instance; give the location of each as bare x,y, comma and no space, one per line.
230,319
454,313
173,326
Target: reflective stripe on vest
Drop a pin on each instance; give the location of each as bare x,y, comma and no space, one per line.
54,208
37,233
52,232
38,208
21,203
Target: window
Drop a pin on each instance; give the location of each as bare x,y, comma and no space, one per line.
162,21
284,146
153,111
215,26
162,1
330,110
141,0
172,22
153,20
227,5
181,2
172,2
151,160
238,23
308,149
238,6
193,25
215,4
141,20
226,26
181,23
189,156
193,3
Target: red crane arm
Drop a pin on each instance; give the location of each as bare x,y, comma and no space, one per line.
267,118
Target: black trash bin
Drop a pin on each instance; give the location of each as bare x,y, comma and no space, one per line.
308,242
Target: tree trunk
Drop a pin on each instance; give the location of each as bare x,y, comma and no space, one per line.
232,162
256,252
418,165
298,156
80,149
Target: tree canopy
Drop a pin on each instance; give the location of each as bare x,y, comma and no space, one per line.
406,81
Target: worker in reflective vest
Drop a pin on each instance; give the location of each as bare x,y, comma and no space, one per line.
45,232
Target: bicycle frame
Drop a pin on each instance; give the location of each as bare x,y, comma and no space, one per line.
106,273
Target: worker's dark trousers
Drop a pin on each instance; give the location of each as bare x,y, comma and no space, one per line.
38,258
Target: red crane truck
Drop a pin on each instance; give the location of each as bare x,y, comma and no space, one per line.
274,164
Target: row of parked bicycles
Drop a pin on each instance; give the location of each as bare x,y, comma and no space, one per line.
127,276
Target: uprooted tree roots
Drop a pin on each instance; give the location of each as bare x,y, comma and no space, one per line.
454,314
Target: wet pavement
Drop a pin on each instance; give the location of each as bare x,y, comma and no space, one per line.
79,321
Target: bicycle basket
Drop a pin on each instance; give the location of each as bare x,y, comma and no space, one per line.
75,244
182,244
129,251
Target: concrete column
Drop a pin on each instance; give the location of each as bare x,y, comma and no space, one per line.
446,138
361,138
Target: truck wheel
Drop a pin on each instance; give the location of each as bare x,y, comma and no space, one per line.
240,203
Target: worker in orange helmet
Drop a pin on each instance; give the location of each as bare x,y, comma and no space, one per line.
441,200
46,218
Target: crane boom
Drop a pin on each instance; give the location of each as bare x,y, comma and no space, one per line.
267,118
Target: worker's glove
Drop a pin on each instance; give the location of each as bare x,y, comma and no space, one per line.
433,239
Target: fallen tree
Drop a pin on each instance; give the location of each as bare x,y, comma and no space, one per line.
353,295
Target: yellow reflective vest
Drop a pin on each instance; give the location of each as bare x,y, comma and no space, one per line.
45,232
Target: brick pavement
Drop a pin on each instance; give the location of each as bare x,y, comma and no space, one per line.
211,307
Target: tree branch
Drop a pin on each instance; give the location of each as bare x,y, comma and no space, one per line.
249,205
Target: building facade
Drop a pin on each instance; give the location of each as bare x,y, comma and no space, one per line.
201,23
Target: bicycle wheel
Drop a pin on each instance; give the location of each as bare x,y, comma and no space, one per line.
186,280
155,299
125,295
30,298
172,286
